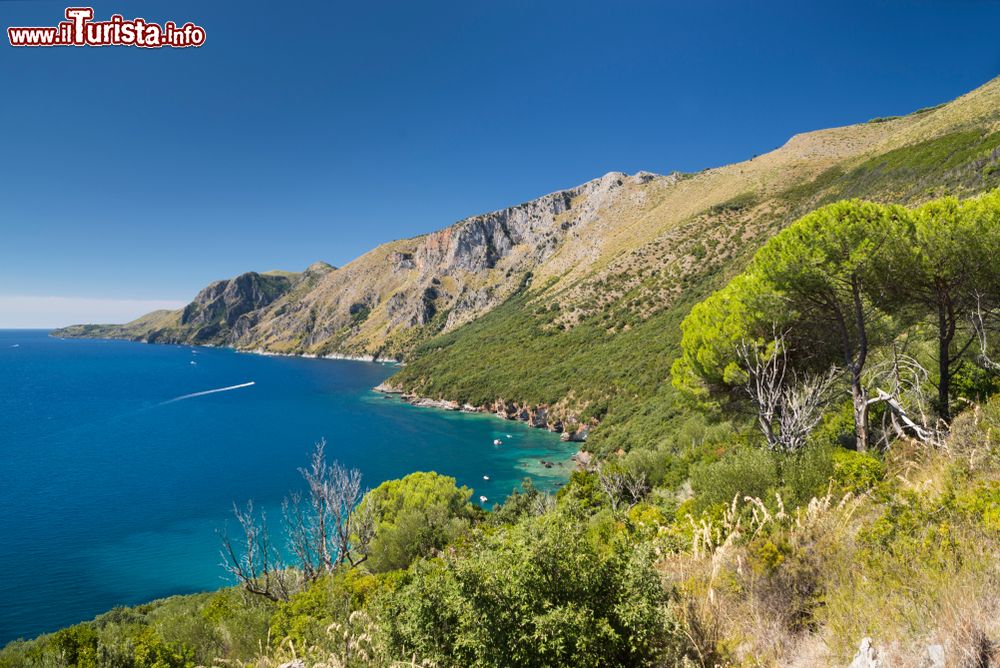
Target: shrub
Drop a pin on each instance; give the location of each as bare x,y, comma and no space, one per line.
789,582
856,471
543,592
332,598
581,491
806,474
743,472
414,516
973,383
982,505
836,428
521,503
239,620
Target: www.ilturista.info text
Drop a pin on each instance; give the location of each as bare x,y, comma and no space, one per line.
81,30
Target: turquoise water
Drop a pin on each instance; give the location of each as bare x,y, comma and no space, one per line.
111,494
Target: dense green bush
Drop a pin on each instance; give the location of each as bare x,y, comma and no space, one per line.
743,472
520,503
415,515
807,474
582,491
539,593
112,646
856,471
332,598
748,471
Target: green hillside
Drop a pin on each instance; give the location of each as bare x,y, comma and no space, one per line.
613,364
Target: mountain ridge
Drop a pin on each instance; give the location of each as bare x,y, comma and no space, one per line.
569,304
427,275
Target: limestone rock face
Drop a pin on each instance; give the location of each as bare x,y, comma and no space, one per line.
388,300
223,302
578,436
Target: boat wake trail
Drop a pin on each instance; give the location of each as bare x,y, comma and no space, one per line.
201,394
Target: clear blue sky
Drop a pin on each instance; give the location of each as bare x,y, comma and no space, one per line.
135,174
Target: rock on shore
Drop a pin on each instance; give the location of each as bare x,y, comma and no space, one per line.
538,416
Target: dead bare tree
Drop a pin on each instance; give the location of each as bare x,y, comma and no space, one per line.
324,530
788,409
299,536
982,319
621,486
906,399
801,408
765,383
257,565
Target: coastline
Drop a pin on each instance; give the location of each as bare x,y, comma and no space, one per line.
570,431
251,351
569,427
374,359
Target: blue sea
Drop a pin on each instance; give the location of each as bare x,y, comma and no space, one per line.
111,493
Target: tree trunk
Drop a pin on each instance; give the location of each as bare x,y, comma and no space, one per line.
860,399
944,379
858,394
946,333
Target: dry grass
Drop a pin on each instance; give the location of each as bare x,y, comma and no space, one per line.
345,646
748,585
910,565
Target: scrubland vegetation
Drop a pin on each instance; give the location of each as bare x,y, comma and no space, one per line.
900,546
832,473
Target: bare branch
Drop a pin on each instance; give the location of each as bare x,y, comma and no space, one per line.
906,398
786,412
330,531
256,565
324,530
622,487
765,382
801,408
299,536
981,317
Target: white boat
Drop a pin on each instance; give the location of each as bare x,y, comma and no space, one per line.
482,499
508,436
193,362
497,441
486,477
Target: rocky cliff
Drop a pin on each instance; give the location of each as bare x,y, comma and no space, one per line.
392,298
